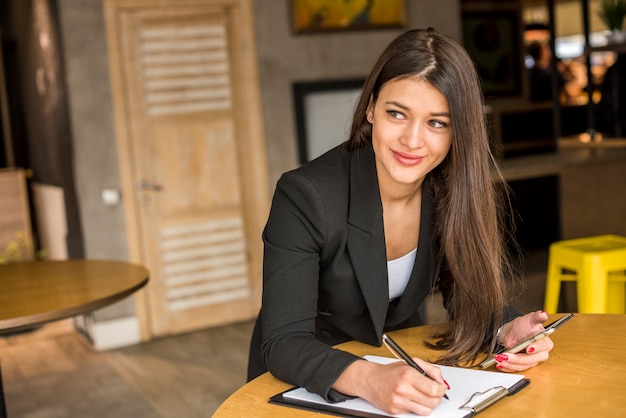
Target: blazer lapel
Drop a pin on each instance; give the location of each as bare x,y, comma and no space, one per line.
366,241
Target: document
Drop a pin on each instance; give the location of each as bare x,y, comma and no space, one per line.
471,391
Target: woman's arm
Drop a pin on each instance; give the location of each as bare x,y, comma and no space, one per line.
296,232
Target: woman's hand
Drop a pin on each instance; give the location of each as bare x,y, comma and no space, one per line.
517,331
396,388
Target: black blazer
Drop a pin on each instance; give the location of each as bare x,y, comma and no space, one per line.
325,271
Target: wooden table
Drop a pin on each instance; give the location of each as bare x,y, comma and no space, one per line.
36,292
584,377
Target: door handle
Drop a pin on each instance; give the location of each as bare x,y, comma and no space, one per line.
146,185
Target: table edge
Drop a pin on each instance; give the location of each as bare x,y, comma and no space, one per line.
32,321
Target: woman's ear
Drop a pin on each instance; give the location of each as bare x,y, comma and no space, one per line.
369,112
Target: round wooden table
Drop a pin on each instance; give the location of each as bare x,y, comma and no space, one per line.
36,292
584,376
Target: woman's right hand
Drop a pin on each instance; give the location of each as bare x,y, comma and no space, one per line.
396,388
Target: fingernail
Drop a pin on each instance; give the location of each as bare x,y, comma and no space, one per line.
531,349
501,357
542,311
447,385
499,366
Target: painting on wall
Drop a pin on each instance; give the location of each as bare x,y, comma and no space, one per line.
493,40
334,15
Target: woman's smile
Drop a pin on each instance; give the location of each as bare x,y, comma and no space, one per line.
407,158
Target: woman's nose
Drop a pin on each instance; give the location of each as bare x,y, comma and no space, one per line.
413,136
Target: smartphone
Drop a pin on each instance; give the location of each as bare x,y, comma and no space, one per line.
549,329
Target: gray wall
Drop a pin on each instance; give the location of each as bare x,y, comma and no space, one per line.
95,147
283,58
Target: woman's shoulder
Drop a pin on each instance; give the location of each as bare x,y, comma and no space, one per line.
333,164
327,178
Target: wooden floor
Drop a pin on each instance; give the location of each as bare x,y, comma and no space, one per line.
54,372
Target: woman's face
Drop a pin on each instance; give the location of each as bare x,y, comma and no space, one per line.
411,131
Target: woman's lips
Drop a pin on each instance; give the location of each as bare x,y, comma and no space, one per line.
407,158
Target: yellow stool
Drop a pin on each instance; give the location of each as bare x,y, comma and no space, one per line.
597,265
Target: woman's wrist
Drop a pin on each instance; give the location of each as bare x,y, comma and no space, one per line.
499,335
349,381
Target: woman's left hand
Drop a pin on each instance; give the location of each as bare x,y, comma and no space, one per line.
515,332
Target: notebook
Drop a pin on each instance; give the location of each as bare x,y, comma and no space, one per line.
471,391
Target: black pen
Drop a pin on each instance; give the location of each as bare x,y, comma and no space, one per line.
401,354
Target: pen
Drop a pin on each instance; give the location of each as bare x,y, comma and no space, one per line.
401,354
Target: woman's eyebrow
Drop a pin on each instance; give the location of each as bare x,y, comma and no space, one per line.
402,106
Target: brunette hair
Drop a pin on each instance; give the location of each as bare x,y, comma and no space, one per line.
466,185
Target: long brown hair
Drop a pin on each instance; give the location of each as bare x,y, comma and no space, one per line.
469,222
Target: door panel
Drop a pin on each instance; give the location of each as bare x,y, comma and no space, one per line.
181,73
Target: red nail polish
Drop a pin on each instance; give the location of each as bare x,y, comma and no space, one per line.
499,366
447,385
501,357
531,349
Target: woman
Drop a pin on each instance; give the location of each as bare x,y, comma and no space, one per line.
358,238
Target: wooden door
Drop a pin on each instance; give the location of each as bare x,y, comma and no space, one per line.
192,155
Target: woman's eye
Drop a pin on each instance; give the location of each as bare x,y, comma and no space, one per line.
438,124
395,114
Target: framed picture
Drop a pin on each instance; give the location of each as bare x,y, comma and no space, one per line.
323,111
335,15
493,39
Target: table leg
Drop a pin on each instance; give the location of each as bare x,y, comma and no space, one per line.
3,407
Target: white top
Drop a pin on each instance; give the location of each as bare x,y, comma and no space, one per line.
399,272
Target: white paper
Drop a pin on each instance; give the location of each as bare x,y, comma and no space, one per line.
463,384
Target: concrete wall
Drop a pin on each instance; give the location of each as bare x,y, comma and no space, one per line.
95,146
